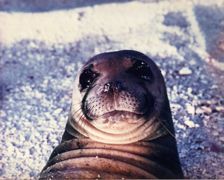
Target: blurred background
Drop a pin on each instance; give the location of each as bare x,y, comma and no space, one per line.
44,42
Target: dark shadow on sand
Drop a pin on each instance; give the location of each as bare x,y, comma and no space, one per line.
211,23
50,5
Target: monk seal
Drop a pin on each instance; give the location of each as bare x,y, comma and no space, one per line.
120,123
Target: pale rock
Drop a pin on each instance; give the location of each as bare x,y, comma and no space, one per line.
190,109
58,111
38,95
192,62
219,108
215,133
2,113
185,71
189,123
180,126
163,72
189,90
203,110
48,116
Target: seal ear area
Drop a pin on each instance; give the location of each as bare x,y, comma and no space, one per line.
87,77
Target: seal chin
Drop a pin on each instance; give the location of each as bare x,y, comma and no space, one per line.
117,122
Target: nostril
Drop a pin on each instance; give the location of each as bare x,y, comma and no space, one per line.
106,87
113,86
117,86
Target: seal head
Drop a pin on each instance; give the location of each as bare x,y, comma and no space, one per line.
118,98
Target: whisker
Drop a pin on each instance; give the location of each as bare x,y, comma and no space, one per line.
78,103
164,126
78,109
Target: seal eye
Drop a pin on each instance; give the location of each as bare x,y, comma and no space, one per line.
87,78
140,69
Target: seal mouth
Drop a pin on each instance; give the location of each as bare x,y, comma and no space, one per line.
117,115
121,113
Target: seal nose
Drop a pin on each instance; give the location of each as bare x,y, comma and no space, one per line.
114,86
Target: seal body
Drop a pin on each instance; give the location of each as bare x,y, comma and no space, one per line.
120,123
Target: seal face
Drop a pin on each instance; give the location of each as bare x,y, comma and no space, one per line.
117,98
117,94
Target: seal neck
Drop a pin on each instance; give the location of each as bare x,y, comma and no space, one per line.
149,130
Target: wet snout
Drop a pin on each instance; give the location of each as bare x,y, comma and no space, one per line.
113,87
116,96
